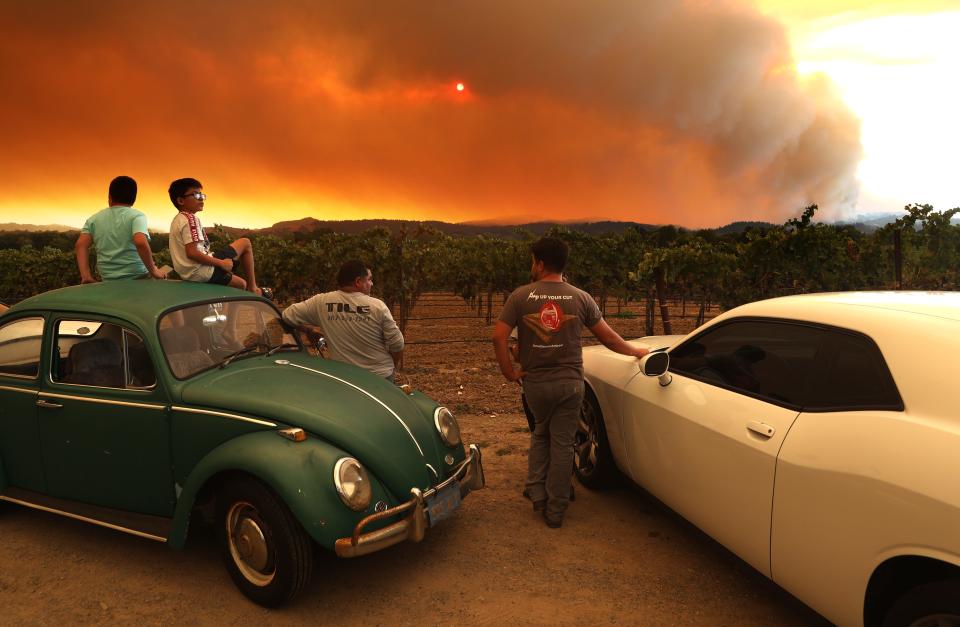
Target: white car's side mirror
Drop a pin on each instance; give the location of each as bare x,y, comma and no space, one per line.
656,365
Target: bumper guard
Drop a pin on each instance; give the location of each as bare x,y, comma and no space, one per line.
414,526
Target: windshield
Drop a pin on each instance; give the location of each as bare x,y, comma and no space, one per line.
200,337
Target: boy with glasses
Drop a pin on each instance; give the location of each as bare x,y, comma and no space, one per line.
119,234
190,248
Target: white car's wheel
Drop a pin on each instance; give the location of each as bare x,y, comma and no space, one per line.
934,604
593,463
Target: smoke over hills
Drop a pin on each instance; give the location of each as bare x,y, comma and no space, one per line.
671,111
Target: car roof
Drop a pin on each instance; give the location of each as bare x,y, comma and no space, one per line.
140,301
939,304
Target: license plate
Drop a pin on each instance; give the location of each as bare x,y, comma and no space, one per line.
442,504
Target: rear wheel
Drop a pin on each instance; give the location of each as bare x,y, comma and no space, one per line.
267,553
593,462
934,604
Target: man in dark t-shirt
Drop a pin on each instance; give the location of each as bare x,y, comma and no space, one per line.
549,315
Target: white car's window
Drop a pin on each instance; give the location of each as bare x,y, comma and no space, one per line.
20,347
100,354
852,375
200,337
767,359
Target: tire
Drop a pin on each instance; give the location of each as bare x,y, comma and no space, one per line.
593,462
934,604
265,549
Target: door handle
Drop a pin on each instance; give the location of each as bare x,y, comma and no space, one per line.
761,428
48,404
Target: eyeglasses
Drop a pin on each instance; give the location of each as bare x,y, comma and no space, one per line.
197,195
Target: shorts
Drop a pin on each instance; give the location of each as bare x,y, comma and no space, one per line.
221,276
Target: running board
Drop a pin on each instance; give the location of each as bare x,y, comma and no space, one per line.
143,525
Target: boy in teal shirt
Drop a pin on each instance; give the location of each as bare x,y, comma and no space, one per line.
119,233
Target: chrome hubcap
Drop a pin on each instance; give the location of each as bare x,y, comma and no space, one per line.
248,544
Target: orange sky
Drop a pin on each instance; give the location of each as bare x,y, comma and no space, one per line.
682,111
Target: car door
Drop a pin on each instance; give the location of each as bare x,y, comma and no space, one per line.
707,443
103,419
849,479
20,349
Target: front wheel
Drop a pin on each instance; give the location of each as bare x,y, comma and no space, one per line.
593,461
934,604
267,553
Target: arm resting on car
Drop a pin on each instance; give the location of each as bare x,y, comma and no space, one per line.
83,258
612,340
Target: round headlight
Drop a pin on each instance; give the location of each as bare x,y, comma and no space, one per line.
447,426
352,483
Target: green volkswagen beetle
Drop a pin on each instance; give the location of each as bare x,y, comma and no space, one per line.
134,404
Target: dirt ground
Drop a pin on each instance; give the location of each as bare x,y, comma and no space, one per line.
620,557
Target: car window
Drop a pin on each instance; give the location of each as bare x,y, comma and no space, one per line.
853,375
768,359
199,337
20,342
100,354
140,373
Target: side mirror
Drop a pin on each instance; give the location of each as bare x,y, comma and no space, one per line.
655,364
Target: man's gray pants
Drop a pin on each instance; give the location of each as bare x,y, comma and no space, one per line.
556,410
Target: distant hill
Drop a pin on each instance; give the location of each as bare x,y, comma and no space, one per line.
866,223
740,227
307,225
12,226
870,222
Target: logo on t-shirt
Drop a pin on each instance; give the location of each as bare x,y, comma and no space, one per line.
548,321
197,234
550,317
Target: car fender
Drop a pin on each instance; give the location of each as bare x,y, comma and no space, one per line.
301,474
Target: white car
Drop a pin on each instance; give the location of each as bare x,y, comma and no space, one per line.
815,436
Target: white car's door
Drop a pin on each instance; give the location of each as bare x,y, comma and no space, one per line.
707,443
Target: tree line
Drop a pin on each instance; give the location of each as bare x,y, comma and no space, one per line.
920,250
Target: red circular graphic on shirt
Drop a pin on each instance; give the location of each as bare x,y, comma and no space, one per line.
550,316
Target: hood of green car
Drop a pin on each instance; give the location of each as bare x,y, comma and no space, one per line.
364,415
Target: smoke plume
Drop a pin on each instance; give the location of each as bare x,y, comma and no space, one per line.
670,111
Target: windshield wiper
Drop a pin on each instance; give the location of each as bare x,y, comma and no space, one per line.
281,347
246,350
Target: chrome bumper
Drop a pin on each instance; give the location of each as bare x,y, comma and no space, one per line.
414,526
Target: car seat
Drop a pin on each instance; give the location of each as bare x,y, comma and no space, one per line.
96,362
182,346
